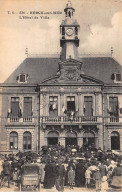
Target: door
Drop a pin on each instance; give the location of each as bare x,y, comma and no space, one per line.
115,141
88,141
52,140
70,141
88,138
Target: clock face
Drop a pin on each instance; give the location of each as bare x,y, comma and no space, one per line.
69,31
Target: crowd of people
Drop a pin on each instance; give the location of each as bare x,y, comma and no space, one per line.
71,166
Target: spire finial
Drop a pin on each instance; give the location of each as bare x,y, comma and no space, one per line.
26,51
112,51
69,4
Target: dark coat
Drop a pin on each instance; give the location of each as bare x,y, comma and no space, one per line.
60,171
6,168
103,170
78,174
49,175
117,171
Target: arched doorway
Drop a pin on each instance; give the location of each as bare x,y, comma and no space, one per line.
88,138
115,141
71,138
52,138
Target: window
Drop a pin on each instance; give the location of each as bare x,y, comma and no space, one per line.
63,31
27,139
53,106
88,106
13,141
15,107
115,141
70,103
76,30
27,107
118,77
22,78
113,106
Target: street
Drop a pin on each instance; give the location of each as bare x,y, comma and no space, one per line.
14,188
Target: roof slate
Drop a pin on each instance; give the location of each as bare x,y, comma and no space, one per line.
39,69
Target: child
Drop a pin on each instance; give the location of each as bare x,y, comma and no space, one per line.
104,184
88,177
97,177
71,177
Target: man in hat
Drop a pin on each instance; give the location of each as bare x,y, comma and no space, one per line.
97,177
6,171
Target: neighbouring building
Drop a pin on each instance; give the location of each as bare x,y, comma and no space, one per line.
68,99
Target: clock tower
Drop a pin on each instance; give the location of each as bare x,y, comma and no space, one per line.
69,34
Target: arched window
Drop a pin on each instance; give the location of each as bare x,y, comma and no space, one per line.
63,31
76,30
13,141
52,137
115,141
27,141
69,14
71,138
88,138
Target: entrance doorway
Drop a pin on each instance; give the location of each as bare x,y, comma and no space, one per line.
71,138
52,138
88,138
115,141
70,141
52,141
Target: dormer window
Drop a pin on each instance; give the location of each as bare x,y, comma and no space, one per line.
22,78
117,77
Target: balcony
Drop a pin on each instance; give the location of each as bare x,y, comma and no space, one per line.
17,120
67,120
113,119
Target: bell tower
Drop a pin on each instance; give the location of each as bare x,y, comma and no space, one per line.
69,34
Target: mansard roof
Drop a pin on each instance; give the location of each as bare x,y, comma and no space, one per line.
40,69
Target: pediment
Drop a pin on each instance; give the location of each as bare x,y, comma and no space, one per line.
71,78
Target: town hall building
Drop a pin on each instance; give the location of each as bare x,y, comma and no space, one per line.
64,99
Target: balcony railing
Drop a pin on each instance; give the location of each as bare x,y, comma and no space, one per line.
20,120
65,119
113,119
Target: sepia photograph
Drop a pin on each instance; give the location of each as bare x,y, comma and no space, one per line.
60,96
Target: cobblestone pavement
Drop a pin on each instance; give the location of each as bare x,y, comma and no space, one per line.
13,188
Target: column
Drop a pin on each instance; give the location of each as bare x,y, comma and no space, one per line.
100,136
121,142
43,140
79,103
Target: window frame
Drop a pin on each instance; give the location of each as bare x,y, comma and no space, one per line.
55,110
22,74
115,80
27,138
10,136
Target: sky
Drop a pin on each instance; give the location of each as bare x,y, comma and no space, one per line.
100,29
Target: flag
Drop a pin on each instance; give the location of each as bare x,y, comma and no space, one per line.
64,110
54,106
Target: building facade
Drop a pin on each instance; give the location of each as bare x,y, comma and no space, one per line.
64,99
